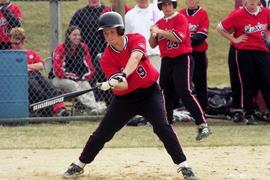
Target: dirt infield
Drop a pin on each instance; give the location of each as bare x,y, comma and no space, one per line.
217,163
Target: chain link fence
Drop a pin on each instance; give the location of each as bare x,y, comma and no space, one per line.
66,68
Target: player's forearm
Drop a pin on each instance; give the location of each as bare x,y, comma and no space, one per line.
152,41
225,34
168,35
133,62
35,67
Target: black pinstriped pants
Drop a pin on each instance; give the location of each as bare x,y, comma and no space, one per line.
147,102
175,80
200,77
254,71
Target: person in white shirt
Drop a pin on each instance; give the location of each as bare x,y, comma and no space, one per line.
146,15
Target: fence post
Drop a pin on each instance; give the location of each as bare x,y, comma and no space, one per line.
121,7
55,23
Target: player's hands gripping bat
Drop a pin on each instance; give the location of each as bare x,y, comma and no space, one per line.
112,82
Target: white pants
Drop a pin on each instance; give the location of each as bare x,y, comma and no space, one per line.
87,99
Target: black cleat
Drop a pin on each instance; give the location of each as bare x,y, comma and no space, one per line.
238,117
203,132
187,173
250,120
73,171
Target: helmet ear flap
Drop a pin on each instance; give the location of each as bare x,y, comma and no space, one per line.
175,4
101,34
159,6
120,30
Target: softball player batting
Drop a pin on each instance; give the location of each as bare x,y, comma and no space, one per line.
249,25
133,81
172,35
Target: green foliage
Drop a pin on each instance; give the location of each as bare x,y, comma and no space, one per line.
75,134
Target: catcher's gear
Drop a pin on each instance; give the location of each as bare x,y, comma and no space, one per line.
112,20
160,2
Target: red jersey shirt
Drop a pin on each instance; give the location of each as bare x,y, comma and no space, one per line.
4,26
178,25
62,68
114,61
32,57
198,23
254,26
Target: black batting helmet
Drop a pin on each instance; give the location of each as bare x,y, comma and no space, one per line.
112,20
160,2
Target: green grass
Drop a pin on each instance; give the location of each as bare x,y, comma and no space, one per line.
75,134
36,22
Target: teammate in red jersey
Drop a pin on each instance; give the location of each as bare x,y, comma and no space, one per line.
249,26
172,35
133,80
10,17
198,25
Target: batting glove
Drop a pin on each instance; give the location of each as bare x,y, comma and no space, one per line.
107,85
120,77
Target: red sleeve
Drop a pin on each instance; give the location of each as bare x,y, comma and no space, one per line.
228,23
181,29
204,23
89,63
58,59
33,57
139,44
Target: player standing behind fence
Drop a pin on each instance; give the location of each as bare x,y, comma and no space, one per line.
198,25
249,26
72,67
172,35
133,80
39,88
10,17
86,19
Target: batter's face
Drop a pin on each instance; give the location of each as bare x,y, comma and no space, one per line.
167,9
111,36
192,4
75,37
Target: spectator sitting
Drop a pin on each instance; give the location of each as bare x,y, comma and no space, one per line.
86,19
39,88
73,69
10,17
